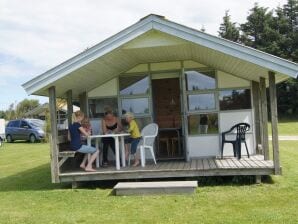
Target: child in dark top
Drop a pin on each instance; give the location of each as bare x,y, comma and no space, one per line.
74,134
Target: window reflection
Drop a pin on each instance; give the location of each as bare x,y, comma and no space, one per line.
97,106
134,85
201,102
235,99
200,80
203,124
136,106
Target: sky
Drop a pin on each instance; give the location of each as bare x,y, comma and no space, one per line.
37,35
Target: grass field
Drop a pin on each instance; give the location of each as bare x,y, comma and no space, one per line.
286,127
27,196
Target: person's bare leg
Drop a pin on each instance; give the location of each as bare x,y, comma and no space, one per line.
92,159
83,163
137,158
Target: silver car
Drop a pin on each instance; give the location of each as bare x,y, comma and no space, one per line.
25,129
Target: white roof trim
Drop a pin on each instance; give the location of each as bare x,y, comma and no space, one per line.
158,23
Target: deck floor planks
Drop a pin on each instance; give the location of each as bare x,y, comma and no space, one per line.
245,164
239,164
181,165
193,165
219,163
231,163
251,163
225,163
200,165
212,163
206,164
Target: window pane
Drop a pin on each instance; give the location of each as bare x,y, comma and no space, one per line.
143,121
200,80
136,106
201,102
235,99
134,85
203,124
97,106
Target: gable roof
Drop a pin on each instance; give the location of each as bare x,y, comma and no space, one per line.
116,54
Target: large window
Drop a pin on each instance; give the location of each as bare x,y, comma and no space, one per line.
135,105
234,99
203,124
97,106
201,102
133,85
196,80
201,99
134,94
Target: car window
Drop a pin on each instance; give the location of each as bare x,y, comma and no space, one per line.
24,124
13,123
37,123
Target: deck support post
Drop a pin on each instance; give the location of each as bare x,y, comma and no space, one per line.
264,118
83,102
69,106
74,185
54,135
274,122
257,114
258,179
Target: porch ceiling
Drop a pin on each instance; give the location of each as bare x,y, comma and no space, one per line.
156,40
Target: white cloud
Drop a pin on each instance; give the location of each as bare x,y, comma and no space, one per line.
41,34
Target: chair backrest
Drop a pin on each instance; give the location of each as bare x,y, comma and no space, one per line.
150,130
242,128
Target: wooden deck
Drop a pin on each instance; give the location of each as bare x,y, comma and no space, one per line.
229,166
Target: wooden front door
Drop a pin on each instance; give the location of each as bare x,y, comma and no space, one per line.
167,114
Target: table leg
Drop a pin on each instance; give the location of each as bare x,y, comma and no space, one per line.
97,158
117,153
123,151
89,144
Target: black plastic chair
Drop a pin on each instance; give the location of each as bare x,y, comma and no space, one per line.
241,130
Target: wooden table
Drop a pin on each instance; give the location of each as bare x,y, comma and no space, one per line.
117,151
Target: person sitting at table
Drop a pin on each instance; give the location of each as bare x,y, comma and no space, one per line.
110,124
134,138
74,135
87,127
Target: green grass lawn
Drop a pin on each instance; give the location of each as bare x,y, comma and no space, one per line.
27,196
286,127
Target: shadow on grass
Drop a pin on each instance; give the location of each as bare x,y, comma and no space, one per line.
38,178
202,181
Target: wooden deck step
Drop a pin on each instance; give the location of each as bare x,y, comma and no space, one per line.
166,187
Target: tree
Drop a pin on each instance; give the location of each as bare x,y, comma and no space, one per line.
291,13
2,114
258,31
275,32
25,106
228,29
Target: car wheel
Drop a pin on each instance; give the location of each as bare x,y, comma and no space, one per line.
9,138
32,138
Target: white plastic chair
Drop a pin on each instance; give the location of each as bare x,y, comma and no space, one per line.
149,134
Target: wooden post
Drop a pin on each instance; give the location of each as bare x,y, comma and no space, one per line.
69,106
274,121
54,135
83,102
256,105
264,118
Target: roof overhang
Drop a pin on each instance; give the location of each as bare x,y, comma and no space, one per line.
155,39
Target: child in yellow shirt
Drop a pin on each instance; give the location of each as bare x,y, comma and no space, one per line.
134,138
